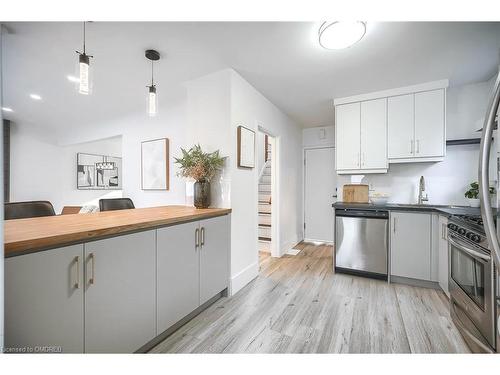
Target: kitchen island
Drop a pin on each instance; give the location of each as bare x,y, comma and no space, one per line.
111,282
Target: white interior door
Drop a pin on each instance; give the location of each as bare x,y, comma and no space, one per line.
320,184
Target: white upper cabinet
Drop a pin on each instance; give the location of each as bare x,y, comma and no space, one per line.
374,134
400,126
347,121
362,137
429,124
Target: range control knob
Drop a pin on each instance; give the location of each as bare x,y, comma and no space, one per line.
474,237
461,231
452,226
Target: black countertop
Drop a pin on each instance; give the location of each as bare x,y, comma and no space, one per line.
447,210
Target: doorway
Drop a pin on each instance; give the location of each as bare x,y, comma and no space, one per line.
320,187
267,197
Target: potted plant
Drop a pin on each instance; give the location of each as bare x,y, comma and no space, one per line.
473,194
201,167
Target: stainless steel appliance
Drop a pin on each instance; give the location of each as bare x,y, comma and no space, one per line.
472,282
461,308
361,238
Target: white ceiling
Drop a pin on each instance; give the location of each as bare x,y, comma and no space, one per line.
281,59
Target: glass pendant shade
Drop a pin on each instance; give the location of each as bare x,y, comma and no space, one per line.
152,101
84,74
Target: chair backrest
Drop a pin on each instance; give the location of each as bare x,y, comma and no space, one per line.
115,204
23,210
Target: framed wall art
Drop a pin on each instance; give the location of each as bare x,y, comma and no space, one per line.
155,164
246,147
98,172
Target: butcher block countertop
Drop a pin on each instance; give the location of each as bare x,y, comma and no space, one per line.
30,235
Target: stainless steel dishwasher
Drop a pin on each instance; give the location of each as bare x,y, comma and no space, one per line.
361,242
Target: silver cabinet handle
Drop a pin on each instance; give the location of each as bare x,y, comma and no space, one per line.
418,146
196,238
76,262
92,263
202,236
443,231
394,225
411,146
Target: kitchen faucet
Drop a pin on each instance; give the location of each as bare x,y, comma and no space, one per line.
422,195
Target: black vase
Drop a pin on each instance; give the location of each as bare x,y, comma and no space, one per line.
202,194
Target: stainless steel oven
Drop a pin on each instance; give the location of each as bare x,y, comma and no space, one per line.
472,283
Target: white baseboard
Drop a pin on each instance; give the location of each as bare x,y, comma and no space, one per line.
243,277
318,241
288,246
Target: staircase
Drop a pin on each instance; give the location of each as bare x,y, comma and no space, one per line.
265,206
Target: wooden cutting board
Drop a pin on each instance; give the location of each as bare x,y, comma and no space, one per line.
355,193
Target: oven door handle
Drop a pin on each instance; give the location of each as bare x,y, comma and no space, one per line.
465,330
473,253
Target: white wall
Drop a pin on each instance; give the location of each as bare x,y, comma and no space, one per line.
323,136
446,181
45,171
466,108
252,110
208,116
170,122
217,104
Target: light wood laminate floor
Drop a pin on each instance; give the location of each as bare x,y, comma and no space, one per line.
299,305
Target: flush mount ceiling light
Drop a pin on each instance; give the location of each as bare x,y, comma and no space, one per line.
84,71
152,108
7,109
35,97
340,34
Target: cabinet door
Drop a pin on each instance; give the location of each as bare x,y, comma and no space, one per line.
214,256
411,245
347,141
400,126
443,254
374,134
429,123
44,300
120,293
178,273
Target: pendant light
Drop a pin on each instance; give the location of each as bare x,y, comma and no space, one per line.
152,98
84,71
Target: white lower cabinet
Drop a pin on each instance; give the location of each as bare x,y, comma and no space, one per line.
120,291
215,242
443,254
44,300
117,294
178,273
192,267
411,245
